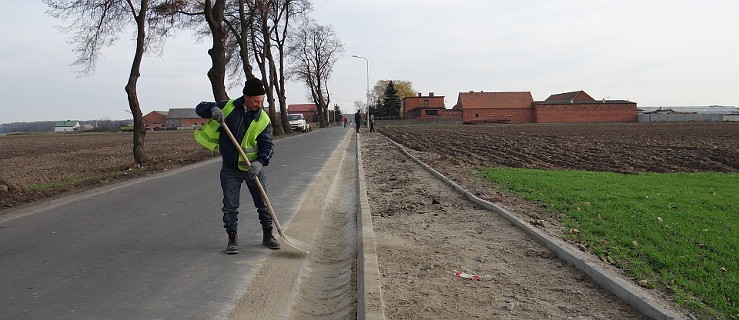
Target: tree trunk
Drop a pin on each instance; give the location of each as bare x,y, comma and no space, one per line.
217,72
280,83
133,101
243,42
321,104
278,130
261,58
281,94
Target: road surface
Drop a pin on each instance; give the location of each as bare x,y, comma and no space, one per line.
150,248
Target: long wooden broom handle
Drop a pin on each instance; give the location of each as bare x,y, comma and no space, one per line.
256,179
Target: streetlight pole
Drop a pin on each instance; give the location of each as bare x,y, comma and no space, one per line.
366,113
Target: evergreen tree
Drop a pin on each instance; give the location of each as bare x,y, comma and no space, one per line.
375,107
391,103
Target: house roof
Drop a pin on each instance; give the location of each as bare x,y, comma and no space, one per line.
164,113
570,96
182,113
304,107
67,123
592,102
494,100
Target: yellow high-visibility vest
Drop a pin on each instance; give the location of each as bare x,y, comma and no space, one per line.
209,134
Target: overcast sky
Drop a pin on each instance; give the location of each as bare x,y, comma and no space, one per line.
655,53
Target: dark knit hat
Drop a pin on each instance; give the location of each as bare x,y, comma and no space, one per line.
253,87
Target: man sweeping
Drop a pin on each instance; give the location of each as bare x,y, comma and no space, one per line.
251,126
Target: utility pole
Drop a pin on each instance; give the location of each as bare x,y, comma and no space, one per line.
366,107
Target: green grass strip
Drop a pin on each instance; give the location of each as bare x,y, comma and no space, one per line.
678,231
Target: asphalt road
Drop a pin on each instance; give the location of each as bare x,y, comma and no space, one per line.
151,248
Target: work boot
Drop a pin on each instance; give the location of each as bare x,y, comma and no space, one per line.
233,243
268,240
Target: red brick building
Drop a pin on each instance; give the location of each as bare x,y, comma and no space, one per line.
427,107
505,107
155,119
309,111
578,106
184,117
418,107
520,107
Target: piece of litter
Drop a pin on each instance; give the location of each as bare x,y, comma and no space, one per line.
466,275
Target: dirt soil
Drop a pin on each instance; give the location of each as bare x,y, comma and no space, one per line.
617,147
459,152
36,167
426,231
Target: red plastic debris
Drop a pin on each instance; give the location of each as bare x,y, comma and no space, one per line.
466,275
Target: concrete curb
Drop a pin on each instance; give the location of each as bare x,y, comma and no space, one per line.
627,291
369,288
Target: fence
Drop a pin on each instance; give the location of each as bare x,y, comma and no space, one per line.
682,117
640,118
418,122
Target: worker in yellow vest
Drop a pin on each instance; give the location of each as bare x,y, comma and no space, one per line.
249,124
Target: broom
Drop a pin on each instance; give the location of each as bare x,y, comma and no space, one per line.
297,244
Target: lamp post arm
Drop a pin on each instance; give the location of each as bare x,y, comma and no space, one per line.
366,113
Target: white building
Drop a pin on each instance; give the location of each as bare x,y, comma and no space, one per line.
66,126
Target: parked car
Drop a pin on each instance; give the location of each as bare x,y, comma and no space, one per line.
297,122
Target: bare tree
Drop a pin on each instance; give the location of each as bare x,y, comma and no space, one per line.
240,22
95,24
282,15
313,50
191,14
253,25
214,16
271,20
262,49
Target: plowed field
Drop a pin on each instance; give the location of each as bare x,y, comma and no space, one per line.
36,167
624,148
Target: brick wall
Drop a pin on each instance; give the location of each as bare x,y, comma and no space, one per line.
507,115
154,120
411,103
451,114
586,112
195,122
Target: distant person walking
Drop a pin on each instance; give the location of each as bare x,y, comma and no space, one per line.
372,122
358,119
345,121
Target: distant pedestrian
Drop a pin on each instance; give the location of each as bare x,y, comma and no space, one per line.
345,121
358,119
372,122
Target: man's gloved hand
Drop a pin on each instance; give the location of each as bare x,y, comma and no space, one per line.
254,169
216,114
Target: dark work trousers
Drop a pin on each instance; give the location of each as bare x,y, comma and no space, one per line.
231,180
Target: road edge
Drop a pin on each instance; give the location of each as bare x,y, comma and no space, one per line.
370,305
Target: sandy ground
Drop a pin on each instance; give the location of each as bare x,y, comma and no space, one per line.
426,231
322,284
